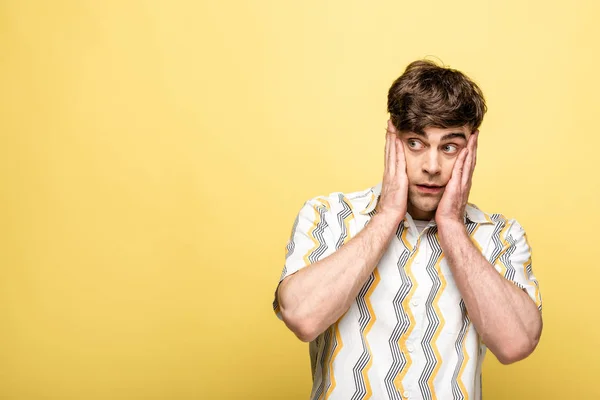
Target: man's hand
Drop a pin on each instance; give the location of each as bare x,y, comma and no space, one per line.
394,188
451,208
318,295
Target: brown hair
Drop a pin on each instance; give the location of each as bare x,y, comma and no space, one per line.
427,95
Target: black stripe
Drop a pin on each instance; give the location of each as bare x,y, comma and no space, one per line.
432,318
291,244
320,373
505,258
402,320
330,358
498,246
316,255
360,385
456,391
344,213
471,227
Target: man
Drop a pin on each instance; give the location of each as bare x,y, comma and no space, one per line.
401,288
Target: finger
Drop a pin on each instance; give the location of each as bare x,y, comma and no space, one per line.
392,156
467,170
459,165
391,128
400,157
473,152
386,158
392,133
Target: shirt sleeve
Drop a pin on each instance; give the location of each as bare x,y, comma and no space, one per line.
514,262
312,239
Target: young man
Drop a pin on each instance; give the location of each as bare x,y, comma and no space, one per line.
401,288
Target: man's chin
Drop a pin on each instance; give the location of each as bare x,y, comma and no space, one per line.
426,204
418,208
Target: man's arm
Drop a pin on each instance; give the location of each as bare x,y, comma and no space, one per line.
507,319
316,296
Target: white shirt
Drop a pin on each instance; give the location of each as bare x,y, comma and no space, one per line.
420,225
407,335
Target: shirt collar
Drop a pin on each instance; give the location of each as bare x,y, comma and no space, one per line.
472,213
375,193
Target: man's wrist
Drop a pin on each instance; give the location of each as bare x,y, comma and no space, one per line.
387,221
451,230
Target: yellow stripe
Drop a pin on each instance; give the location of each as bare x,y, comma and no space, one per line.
538,300
405,239
312,236
363,212
325,202
365,371
464,346
499,263
339,346
475,242
406,306
438,330
326,361
347,220
336,329
438,312
463,389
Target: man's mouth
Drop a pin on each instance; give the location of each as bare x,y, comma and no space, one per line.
430,188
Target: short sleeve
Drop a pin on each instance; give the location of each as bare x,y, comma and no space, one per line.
515,264
312,239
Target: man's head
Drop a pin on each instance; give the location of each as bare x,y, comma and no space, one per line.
434,110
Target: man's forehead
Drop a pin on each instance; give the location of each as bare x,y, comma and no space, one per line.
442,133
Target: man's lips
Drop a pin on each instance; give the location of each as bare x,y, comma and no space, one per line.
429,188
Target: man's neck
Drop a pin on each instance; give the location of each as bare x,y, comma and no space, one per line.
421,215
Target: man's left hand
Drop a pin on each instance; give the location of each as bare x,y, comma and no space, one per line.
451,208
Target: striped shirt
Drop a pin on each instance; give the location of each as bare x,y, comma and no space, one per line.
408,334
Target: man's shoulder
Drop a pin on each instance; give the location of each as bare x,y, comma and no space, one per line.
356,201
496,219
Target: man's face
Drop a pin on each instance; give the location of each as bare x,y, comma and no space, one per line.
430,158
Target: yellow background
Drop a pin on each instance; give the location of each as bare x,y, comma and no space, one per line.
154,155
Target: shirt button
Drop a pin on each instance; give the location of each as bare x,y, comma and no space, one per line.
410,348
415,303
406,224
406,394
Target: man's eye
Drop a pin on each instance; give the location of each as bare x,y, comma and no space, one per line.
450,148
413,144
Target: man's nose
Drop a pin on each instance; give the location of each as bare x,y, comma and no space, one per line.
431,164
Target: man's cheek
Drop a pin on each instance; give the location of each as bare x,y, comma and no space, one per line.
411,176
448,169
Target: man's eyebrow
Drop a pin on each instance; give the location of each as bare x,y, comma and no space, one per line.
454,135
422,134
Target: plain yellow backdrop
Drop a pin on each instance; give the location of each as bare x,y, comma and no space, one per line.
154,155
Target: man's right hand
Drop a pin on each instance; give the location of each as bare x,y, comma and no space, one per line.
319,294
394,189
